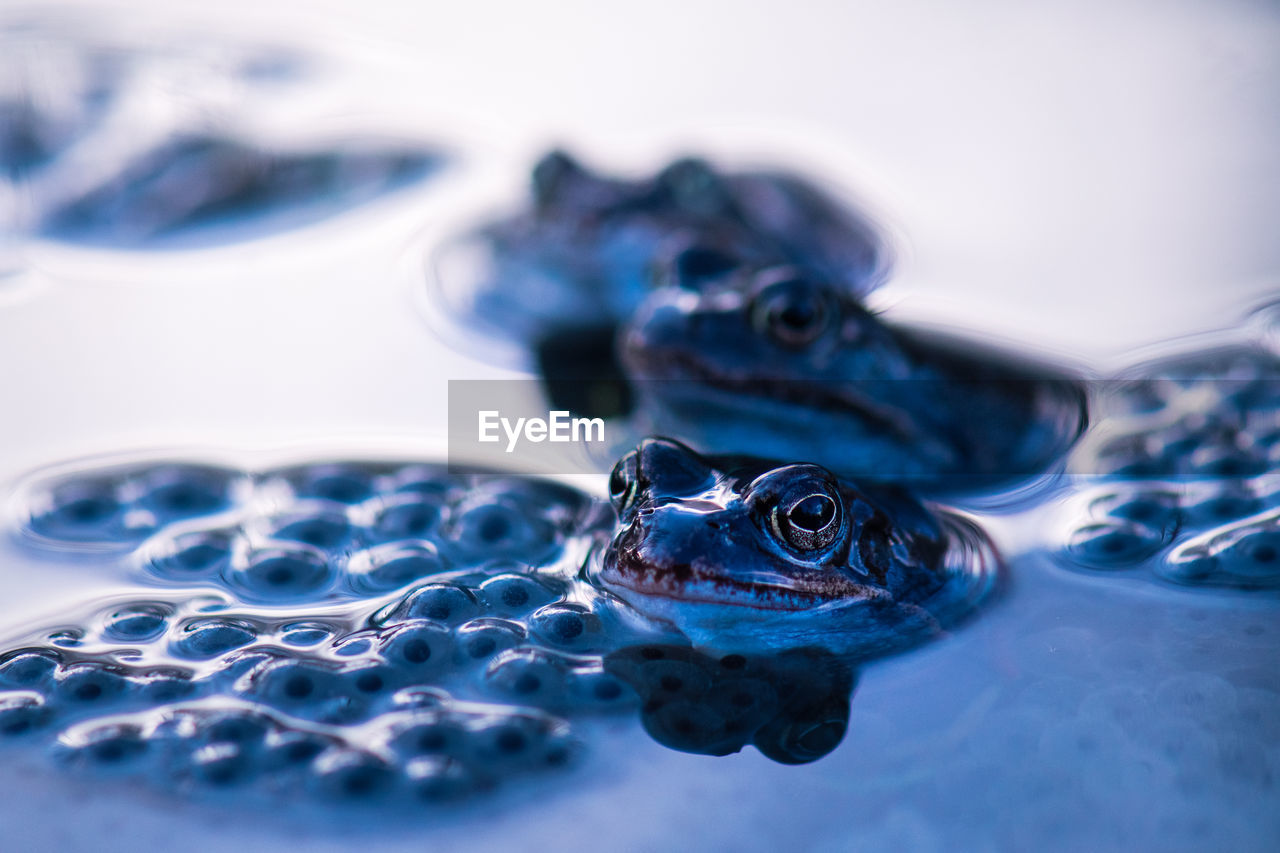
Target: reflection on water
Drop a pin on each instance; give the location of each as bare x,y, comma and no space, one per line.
792,706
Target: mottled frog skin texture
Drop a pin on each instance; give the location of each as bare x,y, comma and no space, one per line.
382,631
773,362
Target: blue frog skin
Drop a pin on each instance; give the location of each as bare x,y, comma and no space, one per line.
773,362
581,254
745,555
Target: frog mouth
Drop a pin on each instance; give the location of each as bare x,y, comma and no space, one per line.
675,365
628,566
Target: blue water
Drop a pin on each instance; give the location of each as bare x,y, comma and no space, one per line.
1087,707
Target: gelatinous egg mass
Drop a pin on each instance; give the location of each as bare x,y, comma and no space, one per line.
1189,453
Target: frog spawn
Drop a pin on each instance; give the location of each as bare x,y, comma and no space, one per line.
398,705
137,684
436,665
1193,453
334,530
351,707
179,177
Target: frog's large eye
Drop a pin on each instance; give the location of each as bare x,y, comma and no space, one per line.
622,483
793,312
809,522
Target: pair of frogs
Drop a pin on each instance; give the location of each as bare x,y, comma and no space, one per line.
727,308
730,587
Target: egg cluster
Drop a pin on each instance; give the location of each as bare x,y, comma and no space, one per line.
1208,415
396,684
310,532
64,92
209,694
1193,462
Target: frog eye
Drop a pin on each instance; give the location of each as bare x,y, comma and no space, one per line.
793,312
622,483
808,522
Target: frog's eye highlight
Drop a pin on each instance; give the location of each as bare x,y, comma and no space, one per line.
809,522
622,483
793,312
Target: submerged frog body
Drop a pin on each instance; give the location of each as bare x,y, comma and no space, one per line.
581,254
773,362
382,631
741,554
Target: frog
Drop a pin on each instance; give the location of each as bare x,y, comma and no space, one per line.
774,361
644,301
740,553
406,631
578,256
